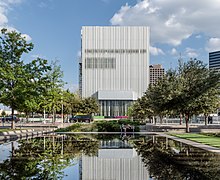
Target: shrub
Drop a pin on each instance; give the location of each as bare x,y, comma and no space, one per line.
100,126
108,126
127,121
114,126
132,123
74,127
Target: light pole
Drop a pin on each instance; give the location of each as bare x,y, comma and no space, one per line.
44,116
62,112
62,108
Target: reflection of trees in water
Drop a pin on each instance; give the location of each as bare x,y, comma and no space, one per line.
46,157
168,159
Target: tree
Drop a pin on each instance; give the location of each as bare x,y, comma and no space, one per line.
71,102
53,97
195,80
36,82
12,73
141,109
89,106
191,89
3,113
160,93
208,102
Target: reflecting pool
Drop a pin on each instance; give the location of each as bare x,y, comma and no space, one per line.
106,157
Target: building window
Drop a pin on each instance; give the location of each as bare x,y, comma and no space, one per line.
101,63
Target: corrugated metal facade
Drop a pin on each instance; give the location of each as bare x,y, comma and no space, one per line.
114,58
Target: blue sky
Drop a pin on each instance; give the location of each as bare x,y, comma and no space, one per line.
186,27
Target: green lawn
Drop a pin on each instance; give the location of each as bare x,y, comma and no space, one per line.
201,138
4,130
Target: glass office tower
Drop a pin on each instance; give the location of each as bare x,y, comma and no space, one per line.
214,60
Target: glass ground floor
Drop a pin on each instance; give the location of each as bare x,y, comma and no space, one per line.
114,107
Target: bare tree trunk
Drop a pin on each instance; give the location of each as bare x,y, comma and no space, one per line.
161,119
155,120
206,119
27,116
12,121
53,116
187,122
180,119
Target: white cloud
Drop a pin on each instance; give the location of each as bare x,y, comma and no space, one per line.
213,44
105,1
191,53
42,5
27,37
198,36
79,54
174,52
156,51
172,21
12,1
3,19
45,4
35,56
5,6
72,87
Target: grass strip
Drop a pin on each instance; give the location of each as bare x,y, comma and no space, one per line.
201,138
4,130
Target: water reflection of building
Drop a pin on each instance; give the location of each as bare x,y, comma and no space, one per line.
115,160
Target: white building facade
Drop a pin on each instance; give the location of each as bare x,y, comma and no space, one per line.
114,66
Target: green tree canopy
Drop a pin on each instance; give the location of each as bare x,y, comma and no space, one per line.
53,97
12,72
21,83
191,89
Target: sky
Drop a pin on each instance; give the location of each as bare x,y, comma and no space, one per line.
178,28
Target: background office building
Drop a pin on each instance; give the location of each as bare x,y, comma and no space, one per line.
214,60
114,66
156,72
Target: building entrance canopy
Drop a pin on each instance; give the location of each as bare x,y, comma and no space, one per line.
116,95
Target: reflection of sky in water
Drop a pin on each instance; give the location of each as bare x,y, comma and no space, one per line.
5,150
